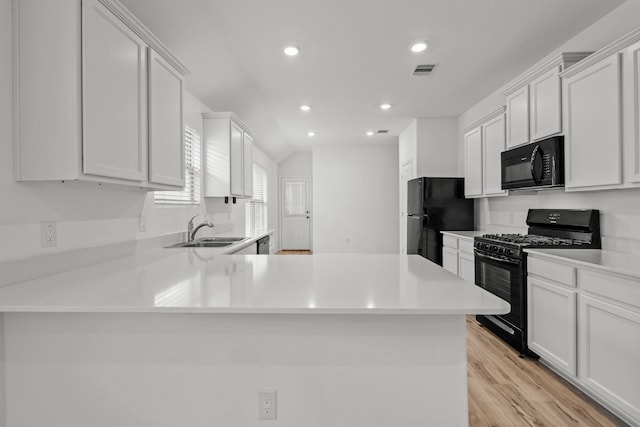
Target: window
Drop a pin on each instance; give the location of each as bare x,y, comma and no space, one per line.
190,195
256,208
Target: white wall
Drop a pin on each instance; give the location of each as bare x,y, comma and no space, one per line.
299,163
437,148
355,199
431,144
620,219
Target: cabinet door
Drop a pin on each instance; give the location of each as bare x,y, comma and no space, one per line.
166,134
609,353
237,149
493,141
466,266
545,104
450,260
551,319
631,120
473,163
247,160
114,97
593,126
518,117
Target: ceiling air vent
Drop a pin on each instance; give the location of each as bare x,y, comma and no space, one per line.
383,130
424,70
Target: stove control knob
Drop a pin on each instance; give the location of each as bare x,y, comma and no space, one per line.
511,251
494,248
501,250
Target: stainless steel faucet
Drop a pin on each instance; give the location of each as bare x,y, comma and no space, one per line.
191,230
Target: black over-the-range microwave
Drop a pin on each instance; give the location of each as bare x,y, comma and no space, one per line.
536,165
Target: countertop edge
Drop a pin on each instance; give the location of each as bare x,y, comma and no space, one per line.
606,268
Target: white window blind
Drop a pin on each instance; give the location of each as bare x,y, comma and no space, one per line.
256,208
191,193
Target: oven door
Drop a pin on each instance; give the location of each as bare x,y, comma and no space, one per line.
504,279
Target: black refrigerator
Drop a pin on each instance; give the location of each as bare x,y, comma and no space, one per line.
435,205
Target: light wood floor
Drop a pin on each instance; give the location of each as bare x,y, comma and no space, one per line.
505,390
295,253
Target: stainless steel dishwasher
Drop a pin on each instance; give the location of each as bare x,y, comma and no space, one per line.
263,246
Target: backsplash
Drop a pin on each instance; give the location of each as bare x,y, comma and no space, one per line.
619,213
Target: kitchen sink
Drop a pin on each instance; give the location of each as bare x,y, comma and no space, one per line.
201,244
209,242
221,239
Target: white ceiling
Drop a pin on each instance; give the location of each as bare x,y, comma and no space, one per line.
354,56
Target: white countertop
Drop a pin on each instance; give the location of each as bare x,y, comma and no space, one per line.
199,280
615,262
469,235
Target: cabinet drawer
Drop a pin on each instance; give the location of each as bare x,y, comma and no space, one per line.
450,260
551,270
449,241
465,246
626,291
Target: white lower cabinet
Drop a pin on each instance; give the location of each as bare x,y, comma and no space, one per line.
551,331
609,340
450,259
586,324
457,256
466,266
551,313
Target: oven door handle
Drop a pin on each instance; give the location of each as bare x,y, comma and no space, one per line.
482,256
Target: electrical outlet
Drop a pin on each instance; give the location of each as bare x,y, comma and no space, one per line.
48,234
267,405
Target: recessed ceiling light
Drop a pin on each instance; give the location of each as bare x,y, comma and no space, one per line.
291,51
305,108
385,106
369,133
311,134
419,47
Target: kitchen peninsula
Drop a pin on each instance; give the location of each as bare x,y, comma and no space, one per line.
183,337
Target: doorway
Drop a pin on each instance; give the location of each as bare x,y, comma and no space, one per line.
295,213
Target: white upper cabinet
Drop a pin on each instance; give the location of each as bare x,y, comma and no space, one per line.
631,117
534,102
228,153
107,107
601,106
483,144
166,134
473,163
593,134
114,96
518,117
545,104
247,167
493,140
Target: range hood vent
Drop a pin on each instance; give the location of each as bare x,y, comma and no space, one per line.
424,70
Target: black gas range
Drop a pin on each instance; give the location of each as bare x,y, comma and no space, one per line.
501,267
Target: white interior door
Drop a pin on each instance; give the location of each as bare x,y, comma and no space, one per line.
295,211
406,173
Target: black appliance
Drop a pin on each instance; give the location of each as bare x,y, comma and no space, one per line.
263,246
534,166
434,205
501,263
